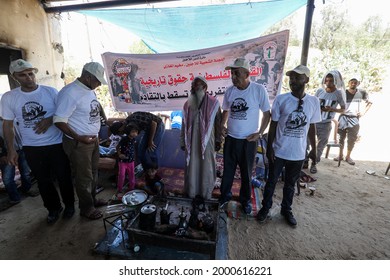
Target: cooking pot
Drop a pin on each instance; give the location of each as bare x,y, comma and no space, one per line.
147,218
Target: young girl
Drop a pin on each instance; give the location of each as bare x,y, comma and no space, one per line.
126,157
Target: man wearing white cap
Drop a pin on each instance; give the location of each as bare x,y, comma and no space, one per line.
241,111
33,107
349,121
294,115
201,136
78,116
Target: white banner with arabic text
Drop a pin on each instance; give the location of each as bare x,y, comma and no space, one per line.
162,82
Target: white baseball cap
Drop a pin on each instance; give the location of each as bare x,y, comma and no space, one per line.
300,69
20,65
97,70
239,63
201,78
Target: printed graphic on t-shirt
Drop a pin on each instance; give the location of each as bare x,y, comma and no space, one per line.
329,103
32,113
94,114
238,109
295,124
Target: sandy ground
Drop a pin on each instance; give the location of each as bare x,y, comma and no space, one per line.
346,218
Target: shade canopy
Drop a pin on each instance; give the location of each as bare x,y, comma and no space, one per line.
177,29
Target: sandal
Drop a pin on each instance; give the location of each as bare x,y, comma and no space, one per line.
100,202
337,159
350,161
313,169
92,214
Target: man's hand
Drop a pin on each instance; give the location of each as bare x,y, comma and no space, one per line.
151,146
12,157
224,131
253,137
43,125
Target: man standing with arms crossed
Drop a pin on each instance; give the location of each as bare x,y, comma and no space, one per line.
241,105
78,116
294,115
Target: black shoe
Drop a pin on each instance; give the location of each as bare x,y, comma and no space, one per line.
68,212
54,215
288,215
247,208
262,215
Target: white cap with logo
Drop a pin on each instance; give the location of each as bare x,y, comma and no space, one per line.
300,69
97,70
20,65
239,63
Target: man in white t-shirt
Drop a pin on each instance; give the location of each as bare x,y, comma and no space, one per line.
78,117
33,107
241,111
330,96
294,115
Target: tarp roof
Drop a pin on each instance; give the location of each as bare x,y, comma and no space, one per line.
198,27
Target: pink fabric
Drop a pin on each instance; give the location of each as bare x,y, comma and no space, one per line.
126,167
208,110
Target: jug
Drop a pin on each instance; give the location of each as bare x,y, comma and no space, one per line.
165,216
183,220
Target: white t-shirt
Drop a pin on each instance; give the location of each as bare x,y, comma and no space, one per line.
331,99
293,124
243,107
29,108
78,104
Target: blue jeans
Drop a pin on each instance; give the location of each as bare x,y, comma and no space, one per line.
148,157
8,176
292,174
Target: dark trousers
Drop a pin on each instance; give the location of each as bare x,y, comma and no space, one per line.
241,152
48,163
292,173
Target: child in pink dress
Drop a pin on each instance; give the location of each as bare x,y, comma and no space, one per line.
126,157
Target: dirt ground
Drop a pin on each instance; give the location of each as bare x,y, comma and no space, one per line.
346,218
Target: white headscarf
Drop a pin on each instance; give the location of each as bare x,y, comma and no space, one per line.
338,81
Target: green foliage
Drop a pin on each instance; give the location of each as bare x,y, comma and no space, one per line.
140,47
362,50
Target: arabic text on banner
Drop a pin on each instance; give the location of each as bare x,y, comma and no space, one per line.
162,82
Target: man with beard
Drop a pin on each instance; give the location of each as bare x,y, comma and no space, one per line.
78,117
32,106
294,116
241,105
201,136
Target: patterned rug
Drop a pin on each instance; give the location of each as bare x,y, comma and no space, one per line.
174,183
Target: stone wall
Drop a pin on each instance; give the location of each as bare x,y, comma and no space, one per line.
25,26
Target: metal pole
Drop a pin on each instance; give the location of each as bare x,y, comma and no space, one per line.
306,35
97,5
